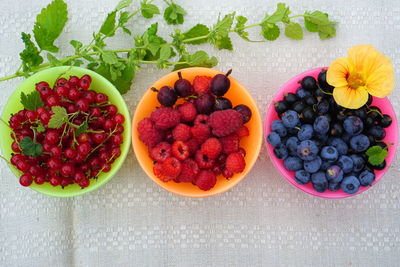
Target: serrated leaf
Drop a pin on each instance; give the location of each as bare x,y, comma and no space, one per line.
49,24
317,17
224,43
293,30
240,24
197,31
165,52
108,27
53,60
311,27
149,10
30,56
123,82
376,155
270,31
81,129
174,14
326,31
281,14
123,18
219,35
32,100
77,45
30,148
58,118
202,59
123,4
40,128
109,57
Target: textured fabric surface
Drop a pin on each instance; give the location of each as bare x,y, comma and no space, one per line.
263,221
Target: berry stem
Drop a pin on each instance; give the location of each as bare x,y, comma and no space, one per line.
179,75
102,143
228,73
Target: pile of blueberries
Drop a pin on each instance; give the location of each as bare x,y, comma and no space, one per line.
325,143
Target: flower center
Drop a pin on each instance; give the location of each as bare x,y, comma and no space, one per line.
356,80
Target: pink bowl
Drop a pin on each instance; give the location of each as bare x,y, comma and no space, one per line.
271,115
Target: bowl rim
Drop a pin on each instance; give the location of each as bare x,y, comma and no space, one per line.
249,164
289,179
125,147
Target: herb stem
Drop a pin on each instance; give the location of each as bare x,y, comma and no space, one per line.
195,38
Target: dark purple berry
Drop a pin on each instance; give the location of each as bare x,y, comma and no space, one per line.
299,106
281,107
310,100
290,98
245,111
183,87
222,103
220,84
309,83
166,96
205,104
322,79
386,121
308,115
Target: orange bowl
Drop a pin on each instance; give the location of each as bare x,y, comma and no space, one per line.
252,144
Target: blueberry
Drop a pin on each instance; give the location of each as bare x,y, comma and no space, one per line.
321,125
281,107
293,131
307,150
323,106
329,153
336,129
366,178
274,139
293,164
333,186
322,137
298,106
350,184
359,143
346,137
310,100
290,119
353,125
339,144
306,132
346,163
312,166
280,151
358,162
309,83
277,126
302,177
377,132
334,174
322,79
222,103
325,165
308,115
385,121
300,92
290,98
291,144
319,181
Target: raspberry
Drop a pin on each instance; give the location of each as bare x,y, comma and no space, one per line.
200,132
158,171
180,150
193,146
230,143
148,133
189,171
227,174
243,131
188,111
217,170
235,163
201,119
181,132
161,152
206,180
212,147
201,84
168,170
203,161
225,122
242,151
165,117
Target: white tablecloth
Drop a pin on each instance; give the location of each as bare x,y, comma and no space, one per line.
263,221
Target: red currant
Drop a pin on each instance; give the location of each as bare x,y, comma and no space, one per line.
82,105
79,176
73,81
41,85
106,167
15,147
112,109
52,100
70,153
31,115
109,124
89,96
71,108
115,152
44,117
39,179
84,137
36,170
40,110
104,156
100,98
94,163
116,139
84,148
85,82
120,129
52,137
119,119
55,151
25,179
98,137
16,158
73,94
95,112
84,167
54,163
23,166
62,91
47,147
84,183
65,182
55,180
67,169
61,82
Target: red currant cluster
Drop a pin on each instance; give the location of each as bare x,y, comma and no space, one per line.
84,144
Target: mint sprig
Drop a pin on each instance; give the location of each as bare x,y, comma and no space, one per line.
376,155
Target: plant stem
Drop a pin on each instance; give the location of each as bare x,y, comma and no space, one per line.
195,38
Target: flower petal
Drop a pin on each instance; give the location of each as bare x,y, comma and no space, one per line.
349,97
338,72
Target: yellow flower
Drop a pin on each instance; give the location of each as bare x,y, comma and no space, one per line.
365,71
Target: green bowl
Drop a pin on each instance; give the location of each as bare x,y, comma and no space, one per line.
99,84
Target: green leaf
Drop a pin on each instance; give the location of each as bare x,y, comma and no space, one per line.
293,30
326,31
318,21
126,30
311,27
198,59
270,31
280,15
376,155
240,24
123,18
40,128
31,101
30,148
148,10
123,4
317,17
124,81
219,36
224,43
49,24
108,27
53,60
197,31
81,129
174,14
109,57
58,118
77,45
30,56
165,52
